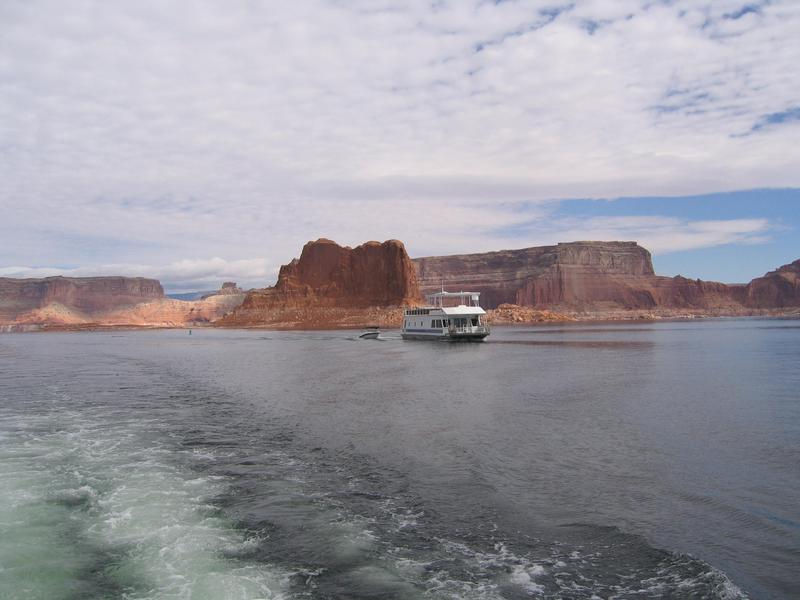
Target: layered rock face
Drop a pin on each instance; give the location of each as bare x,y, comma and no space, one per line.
779,288
167,312
80,295
106,301
372,274
598,277
566,274
328,280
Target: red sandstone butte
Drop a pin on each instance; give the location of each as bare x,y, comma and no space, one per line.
328,279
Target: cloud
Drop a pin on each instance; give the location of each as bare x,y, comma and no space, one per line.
659,234
145,132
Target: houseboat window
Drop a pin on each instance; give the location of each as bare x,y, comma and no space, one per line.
474,321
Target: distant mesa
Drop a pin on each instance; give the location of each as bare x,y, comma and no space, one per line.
104,301
598,277
229,288
568,274
21,298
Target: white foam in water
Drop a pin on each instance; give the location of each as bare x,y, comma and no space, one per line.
84,504
493,571
669,579
524,578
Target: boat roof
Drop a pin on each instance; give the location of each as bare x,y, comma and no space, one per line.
462,310
455,310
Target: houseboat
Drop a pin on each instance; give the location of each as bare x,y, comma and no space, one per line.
448,316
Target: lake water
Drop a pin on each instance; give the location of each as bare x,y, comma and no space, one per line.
582,461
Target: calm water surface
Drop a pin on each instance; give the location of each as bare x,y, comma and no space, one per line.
624,461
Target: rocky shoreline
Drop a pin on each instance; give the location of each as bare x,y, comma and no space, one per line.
391,318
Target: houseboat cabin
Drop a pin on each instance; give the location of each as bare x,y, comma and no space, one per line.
451,316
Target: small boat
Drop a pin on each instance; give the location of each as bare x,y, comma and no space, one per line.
440,320
371,333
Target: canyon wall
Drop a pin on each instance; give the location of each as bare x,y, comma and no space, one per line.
331,284
105,301
777,289
597,277
84,295
573,274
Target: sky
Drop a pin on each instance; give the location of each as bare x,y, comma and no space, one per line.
199,141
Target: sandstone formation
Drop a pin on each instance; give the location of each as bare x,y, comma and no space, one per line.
167,312
229,288
78,295
331,284
777,289
598,277
541,276
105,301
372,274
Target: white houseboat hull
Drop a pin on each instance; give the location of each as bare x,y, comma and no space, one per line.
431,335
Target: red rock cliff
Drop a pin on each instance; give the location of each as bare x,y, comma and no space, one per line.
330,276
779,288
598,276
372,274
83,294
567,273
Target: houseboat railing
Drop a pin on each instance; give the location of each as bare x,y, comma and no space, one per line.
454,329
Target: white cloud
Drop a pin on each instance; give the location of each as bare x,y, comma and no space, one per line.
143,132
663,235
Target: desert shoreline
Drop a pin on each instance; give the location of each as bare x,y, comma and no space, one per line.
567,320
